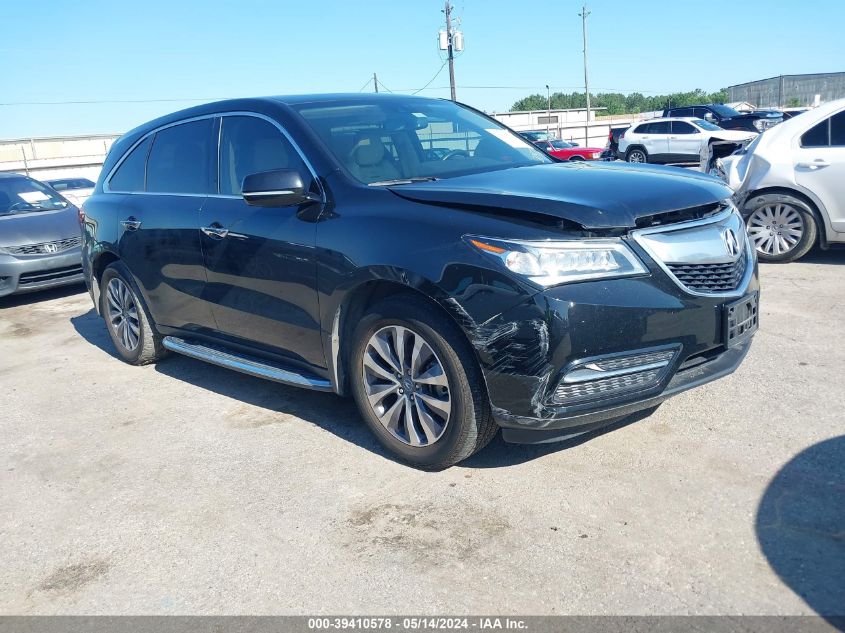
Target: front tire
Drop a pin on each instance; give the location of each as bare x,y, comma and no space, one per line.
636,155
127,320
782,227
418,385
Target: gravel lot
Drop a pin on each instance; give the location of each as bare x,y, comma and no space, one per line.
185,488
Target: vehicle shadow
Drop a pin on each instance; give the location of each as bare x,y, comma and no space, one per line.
800,526
13,301
325,410
834,255
499,453
91,327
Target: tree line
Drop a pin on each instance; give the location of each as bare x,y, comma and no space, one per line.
618,103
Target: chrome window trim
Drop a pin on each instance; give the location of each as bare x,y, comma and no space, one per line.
749,254
215,115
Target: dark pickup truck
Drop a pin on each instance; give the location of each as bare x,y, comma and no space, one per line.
728,118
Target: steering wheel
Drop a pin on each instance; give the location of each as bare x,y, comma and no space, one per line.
456,153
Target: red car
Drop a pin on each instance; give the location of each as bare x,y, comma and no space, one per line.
568,151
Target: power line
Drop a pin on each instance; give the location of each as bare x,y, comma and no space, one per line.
439,70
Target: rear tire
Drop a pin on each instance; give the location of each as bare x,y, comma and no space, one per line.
128,322
576,159
636,155
782,227
436,366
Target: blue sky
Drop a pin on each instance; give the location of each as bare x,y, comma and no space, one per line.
189,50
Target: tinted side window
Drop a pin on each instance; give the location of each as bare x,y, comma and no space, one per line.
817,136
681,127
643,129
249,145
659,127
682,112
130,175
837,130
180,159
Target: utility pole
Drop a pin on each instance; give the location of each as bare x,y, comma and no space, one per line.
548,107
584,13
375,82
448,11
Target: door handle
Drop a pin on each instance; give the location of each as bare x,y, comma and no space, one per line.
130,224
819,162
215,231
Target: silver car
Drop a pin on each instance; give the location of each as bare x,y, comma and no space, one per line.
40,238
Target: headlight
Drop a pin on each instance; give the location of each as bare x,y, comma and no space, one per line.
556,262
762,124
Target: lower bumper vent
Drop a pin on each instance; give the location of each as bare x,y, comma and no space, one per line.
609,377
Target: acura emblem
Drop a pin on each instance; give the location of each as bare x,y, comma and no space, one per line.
732,243
51,248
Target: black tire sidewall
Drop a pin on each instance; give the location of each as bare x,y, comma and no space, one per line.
462,428
111,272
636,149
807,216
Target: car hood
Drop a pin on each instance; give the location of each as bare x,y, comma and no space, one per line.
593,195
37,227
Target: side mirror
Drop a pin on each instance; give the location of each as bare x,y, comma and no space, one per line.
708,116
276,188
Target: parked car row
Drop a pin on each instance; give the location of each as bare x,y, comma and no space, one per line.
727,118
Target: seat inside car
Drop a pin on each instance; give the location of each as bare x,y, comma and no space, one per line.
369,160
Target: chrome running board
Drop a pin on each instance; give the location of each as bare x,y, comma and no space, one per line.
251,365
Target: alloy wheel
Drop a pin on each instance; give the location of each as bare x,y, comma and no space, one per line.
123,314
775,228
636,157
406,386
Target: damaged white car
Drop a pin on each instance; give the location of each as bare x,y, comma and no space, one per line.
789,184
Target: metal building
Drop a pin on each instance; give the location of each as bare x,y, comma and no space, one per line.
787,90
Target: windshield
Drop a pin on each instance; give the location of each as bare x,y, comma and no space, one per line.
725,111
706,125
561,145
391,141
25,195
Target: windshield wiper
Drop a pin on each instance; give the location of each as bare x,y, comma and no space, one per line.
402,181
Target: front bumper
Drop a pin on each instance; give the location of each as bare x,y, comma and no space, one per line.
526,351
19,274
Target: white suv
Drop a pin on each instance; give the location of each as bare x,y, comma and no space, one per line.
790,184
673,140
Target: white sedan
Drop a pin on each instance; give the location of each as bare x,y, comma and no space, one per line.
790,184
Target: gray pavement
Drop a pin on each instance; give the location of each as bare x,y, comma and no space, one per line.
185,488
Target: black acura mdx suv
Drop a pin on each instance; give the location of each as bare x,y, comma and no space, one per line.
423,258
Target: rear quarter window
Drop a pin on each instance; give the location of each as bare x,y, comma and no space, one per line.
817,136
129,176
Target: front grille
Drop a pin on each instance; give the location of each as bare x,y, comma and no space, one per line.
45,248
710,277
43,276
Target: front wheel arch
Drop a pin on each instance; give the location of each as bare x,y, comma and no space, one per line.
369,293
